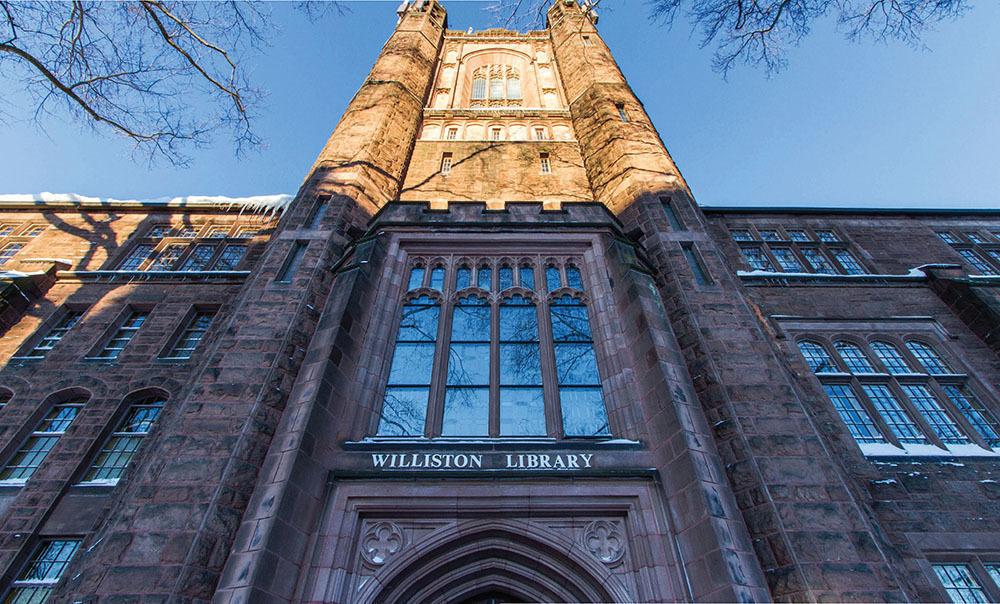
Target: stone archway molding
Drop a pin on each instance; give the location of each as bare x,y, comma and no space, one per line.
526,560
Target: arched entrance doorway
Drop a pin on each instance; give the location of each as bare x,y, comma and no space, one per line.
482,562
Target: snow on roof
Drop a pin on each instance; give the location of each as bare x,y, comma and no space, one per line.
258,204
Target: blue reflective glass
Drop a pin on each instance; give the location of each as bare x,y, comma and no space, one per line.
412,363
527,277
469,364
416,278
520,365
484,278
576,365
506,275
419,324
583,412
552,279
437,279
573,278
518,324
471,324
570,324
466,412
403,412
464,278
522,412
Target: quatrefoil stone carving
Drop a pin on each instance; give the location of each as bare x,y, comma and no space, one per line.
381,540
605,540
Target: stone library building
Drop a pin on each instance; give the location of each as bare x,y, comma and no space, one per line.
493,351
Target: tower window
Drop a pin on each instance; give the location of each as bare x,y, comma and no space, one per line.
539,134
496,89
292,263
621,111
546,166
496,373
318,212
446,163
697,268
586,41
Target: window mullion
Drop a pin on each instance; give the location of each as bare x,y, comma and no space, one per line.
550,388
439,374
494,409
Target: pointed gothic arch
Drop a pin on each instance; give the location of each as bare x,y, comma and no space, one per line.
523,561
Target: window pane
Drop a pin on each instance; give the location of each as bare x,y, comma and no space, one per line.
230,258
891,357
769,235
484,278
522,412
464,278
936,417
136,257
570,324
817,357
411,364
518,323
786,259
981,266
859,424
797,235
478,89
496,89
757,259
552,279
506,276
741,235
466,412
576,364
416,278
889,408
520,365
419,324
471,324
583,412
198,260
856,360
403,412
166,259
514,89
573,278
818,261
437,279
959,583
469,364
527,277
849,262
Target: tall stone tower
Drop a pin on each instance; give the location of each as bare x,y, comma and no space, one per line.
493,352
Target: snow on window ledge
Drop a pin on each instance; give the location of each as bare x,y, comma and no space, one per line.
915,450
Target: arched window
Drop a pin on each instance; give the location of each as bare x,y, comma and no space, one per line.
890,357
121,447
43,439
404,408
817,357
506,276
928,358
856,360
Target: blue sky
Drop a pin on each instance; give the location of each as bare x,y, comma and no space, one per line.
845,124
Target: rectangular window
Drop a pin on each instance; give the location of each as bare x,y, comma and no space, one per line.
757,259
959,583
818,261
522,404
452,133
672,217
404,408
539,134
158,231
292,263
849,262
218,232
31,454
700,275
495,134
167,257
827,236
230,258
741,235
947,236
446,163
586,40
199,258
970,256
620,107
894,415
247,232
974,237
479,89
34,230
769,235
136,257
859,424
118,451
797,235
192,335
318,212
973,410
6,229
188,231
580,395
496,89
120,339
8,252
546,166
55,334
513,89
42,572
940,423
467,387
787,260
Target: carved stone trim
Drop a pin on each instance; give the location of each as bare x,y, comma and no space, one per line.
605,540
381,541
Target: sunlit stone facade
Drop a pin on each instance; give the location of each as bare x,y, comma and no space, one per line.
493,351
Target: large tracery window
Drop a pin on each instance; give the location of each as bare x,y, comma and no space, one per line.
496,85
481,353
